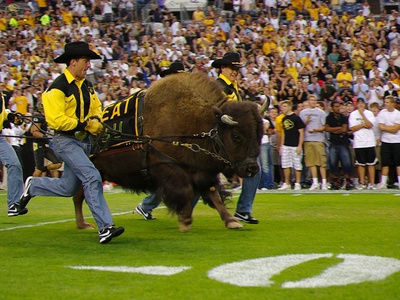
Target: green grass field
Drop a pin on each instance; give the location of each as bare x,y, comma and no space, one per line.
355,237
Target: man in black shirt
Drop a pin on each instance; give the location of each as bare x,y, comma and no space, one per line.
292,145
337,126
345,92
393,69
328,91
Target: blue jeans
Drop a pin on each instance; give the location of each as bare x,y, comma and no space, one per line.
267,177
78,169
340,153
151,201
9,159
249,190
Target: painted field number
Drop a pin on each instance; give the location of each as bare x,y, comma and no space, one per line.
353,269
258,272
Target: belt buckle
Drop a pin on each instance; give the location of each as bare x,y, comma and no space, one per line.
81,135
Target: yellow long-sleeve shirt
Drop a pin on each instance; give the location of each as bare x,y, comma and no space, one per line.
68,102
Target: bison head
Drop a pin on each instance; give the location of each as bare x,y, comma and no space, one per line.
239,133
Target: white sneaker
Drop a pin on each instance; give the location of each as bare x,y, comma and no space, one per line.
238,188
371,186
361,187
324,187
285,187
314,186
297,187
381,186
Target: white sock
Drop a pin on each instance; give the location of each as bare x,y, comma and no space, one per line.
384,179
355,181
323,181
315,180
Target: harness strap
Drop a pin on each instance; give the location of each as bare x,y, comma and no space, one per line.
143,170
161,156
218,144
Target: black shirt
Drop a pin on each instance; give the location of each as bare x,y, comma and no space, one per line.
335,121
291,125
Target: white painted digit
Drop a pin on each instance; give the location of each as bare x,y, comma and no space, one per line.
258,272
354,269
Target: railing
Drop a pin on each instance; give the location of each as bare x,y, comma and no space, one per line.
146,9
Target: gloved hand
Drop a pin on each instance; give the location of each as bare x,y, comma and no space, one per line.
94,126
15,118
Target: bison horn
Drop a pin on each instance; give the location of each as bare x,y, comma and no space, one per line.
228,120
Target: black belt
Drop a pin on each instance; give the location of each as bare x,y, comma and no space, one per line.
69,132
79,134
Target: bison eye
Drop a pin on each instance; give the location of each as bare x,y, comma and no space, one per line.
237,138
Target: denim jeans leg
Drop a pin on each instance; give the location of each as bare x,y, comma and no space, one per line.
264,165
151,201
345,159
270,174
334,159
9,159
249,190
77,169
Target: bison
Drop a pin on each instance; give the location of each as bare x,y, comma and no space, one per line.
190,135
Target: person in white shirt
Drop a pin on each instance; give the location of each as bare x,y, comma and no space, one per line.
389,124
106,10
361,122
13,135
375,93
301,22
360,88
366,9
175,26
106,51
393,37
79,9
314,141
383,60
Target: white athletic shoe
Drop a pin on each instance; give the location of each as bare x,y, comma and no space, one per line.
297,187
314,186
381,186
285,187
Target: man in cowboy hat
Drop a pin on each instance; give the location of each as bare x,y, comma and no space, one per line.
73,110
175,68
229,66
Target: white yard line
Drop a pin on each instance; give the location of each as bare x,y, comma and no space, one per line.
63,221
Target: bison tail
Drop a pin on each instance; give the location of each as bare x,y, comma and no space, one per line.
226,197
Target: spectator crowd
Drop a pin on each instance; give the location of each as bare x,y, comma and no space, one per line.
310,53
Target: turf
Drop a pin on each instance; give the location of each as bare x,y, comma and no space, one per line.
38,249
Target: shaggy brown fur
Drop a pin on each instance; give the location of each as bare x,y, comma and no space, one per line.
181,105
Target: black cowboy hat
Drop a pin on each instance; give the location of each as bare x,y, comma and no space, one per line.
229,59
175,67
75,50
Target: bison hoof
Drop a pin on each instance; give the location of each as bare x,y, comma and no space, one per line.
184,227
86,226
234,225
